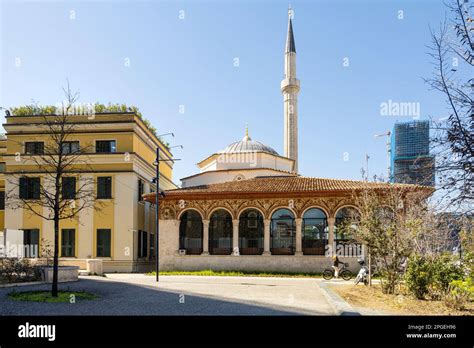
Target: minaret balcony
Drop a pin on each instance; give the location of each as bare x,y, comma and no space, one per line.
291,85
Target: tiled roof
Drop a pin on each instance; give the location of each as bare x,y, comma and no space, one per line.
285,184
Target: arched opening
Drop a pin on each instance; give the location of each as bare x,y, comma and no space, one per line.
220,233
190,232
346,223
282,232
251,232
315,232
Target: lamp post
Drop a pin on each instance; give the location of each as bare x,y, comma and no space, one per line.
389,151
157,194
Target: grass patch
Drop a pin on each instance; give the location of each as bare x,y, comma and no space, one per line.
209,272
45,296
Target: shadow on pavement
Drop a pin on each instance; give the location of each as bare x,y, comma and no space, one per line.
119,298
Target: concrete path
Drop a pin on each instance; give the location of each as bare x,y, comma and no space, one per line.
341,303
138,294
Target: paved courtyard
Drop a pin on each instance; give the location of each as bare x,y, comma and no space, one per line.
138,294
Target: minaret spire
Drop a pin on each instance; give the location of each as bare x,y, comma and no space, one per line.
290,87
290,40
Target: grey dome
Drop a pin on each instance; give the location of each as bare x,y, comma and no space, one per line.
248,145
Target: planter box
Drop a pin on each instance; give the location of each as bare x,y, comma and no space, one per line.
95,267
65,274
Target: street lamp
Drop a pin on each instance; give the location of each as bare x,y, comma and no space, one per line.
156,180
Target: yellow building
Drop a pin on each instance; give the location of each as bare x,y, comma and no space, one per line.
120,151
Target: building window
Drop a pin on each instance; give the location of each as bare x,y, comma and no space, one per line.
70,147
68,190
190,232
31,242
283,232
2,200
251,232
105,146
345,225
220,233
315,232
34,148
142,244
104,187
29,188
141,189
68,242
104,238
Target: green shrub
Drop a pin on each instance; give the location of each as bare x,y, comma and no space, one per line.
15,270
433,275
36,109
459,293
444,269
418,276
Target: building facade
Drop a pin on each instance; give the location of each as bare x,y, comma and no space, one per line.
273,224
411,162
117,152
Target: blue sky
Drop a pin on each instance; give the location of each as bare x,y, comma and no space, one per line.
190,62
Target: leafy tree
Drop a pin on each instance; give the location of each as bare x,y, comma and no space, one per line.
388,223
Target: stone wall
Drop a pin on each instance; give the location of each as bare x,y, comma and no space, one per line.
275,263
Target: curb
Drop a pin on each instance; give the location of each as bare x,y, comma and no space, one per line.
338,304
13,285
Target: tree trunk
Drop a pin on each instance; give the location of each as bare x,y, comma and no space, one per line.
370,268
54,291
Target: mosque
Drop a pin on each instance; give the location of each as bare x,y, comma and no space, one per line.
248,208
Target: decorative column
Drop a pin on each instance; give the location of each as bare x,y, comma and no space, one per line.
205,239
235,237
175,235
266,237
299,240
331,223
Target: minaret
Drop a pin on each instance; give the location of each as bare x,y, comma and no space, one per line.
290,87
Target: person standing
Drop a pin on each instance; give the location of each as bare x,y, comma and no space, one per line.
335,265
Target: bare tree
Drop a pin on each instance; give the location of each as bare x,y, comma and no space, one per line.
56,161
452,54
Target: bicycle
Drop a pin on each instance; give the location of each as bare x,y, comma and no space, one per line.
344,273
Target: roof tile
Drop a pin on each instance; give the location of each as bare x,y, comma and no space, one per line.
285,184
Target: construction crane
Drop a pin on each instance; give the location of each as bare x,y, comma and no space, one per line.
389,150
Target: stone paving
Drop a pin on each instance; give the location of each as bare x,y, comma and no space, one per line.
138,294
